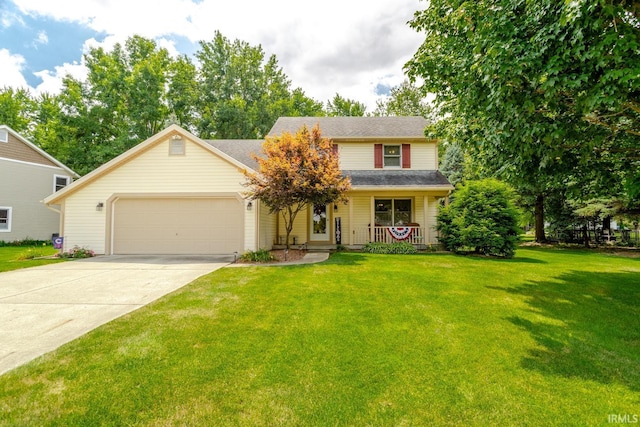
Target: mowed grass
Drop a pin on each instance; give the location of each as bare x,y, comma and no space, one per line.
548,338
14,257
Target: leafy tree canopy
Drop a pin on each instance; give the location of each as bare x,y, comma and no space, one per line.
242,94
340,106
137,88
16,108
297,171
539,90
406,99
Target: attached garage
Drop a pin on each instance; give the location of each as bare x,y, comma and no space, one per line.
178,225
173,194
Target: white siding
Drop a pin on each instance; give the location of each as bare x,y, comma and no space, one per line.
153,171
359,155
424,156
300,228
267,227
432,215
356,156
361,211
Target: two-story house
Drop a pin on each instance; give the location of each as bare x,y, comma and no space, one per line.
178,194
395,181
27,175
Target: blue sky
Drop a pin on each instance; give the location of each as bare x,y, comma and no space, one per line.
355,48
42,41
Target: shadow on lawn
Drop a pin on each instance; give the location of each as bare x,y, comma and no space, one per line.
590,326
514,260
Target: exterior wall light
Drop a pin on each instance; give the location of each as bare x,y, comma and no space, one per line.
249,205
99,206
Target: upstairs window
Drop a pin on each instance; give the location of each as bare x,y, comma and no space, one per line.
59,182
4,135
392,156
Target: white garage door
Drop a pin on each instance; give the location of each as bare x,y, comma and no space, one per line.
178,226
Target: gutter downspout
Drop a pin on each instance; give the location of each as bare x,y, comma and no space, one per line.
59,212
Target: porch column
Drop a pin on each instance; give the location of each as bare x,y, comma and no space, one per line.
352,229
425,214
372,219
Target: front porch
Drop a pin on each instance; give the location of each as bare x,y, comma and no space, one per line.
410,234
363,235
398,217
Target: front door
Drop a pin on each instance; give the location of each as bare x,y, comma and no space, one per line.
319,223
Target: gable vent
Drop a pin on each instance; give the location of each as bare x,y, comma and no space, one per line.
176,146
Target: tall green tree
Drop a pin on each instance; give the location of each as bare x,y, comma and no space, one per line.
182,96
242,94
453,164
125,99
537,88
405,99
340,106
16,109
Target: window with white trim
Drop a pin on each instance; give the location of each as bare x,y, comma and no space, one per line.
5,219
59,182
392,156
393,212
4,135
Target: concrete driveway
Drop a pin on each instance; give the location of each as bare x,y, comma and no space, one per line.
42,308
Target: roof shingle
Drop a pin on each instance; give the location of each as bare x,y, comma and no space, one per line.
397,178
239,149
355,127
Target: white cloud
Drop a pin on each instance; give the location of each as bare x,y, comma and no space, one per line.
41,39
170,45
11,70
9,18
344,46
52,80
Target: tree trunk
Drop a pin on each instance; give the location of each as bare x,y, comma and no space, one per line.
539,219
585,234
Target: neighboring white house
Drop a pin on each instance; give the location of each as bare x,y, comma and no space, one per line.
178,194
27,176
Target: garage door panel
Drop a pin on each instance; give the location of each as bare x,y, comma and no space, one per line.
178,226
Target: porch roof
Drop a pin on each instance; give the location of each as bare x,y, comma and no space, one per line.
398,178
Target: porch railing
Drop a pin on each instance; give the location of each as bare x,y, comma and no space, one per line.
415,235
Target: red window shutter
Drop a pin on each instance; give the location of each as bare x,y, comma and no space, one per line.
377,156
406,156
334,149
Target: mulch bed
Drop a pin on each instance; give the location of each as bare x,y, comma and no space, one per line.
293,255
279,255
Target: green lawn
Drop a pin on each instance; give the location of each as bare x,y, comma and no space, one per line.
550,337
11,257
